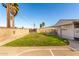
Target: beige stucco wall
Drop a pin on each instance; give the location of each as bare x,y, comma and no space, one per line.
7,34
10,31
45,30
66,31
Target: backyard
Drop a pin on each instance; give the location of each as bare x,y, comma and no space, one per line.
38,39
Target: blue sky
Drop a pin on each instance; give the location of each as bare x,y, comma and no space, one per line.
50,13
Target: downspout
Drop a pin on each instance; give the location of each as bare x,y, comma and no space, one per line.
74,30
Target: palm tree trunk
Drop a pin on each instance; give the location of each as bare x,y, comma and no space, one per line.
12,21
8,15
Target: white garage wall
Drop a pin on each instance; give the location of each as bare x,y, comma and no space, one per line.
77,32
59,30
66,31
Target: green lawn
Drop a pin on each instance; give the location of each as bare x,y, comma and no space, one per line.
38,39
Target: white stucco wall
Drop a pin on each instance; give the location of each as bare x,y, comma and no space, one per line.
66,31
58,30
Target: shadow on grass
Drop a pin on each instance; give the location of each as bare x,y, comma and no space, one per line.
56,36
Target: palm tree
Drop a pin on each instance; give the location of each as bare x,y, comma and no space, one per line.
14,10
7,6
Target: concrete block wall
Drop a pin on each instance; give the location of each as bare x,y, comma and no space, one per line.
11,31
48,30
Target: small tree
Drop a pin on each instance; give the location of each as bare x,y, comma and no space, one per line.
43,24
40,25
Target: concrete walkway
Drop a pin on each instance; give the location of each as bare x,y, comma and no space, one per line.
74,44
38,51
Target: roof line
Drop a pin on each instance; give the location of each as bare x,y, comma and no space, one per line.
67,20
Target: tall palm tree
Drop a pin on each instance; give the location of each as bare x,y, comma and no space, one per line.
7,6
14,10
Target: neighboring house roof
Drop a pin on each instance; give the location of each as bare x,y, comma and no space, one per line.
66,21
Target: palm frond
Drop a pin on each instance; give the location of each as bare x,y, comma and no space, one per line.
14,9
4,5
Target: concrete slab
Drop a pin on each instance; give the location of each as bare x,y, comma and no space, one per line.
74,44
65,53
36,53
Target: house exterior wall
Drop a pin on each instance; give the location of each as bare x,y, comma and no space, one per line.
66,31
58,30
76,32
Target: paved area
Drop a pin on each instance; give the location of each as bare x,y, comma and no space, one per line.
38,51
74,44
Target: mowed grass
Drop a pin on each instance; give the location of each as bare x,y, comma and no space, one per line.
37,39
